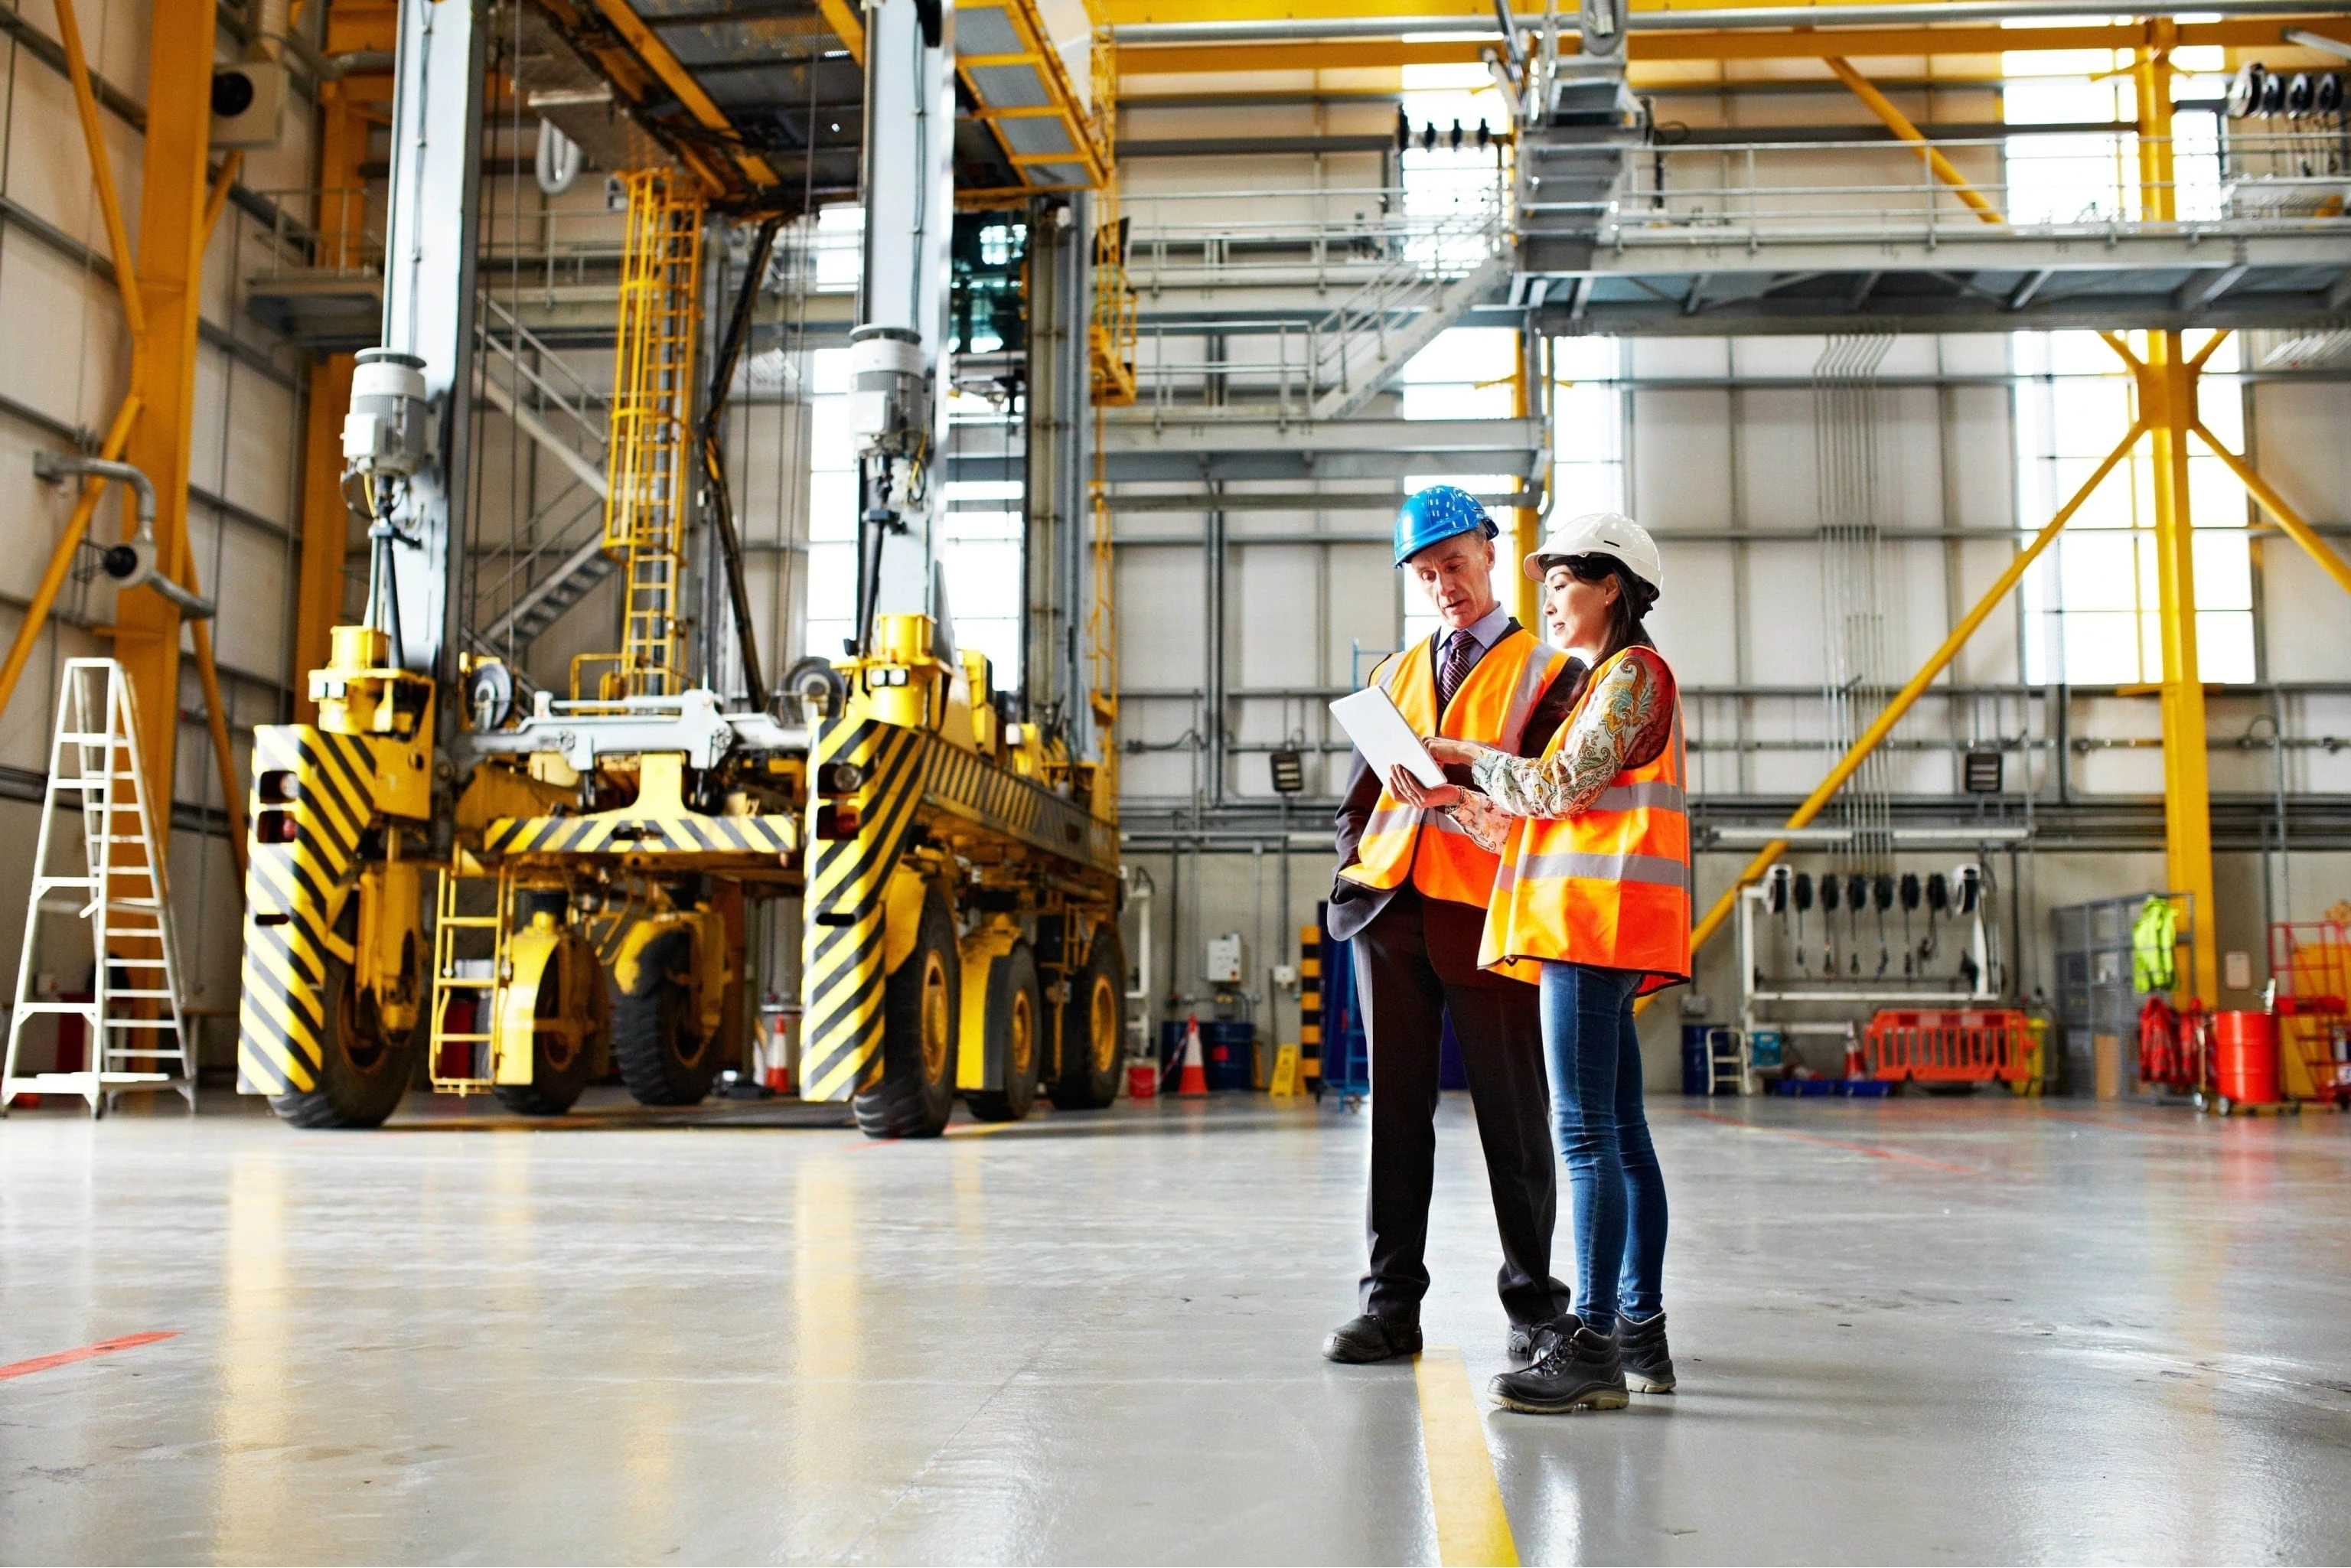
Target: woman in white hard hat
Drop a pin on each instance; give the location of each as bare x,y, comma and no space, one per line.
1593,837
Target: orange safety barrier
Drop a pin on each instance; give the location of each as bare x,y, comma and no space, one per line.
1956,1046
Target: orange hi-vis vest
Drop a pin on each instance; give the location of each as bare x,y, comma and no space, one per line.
1491,707
1609,886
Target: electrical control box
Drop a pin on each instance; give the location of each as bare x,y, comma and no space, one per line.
1225,961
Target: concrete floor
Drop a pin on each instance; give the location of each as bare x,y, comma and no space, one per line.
1925,1330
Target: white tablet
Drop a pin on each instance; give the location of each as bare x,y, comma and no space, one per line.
1380,732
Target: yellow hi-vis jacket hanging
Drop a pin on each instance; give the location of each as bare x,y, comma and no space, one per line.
1609,886
1491,707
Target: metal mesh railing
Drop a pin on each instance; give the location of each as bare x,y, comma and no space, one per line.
2069,186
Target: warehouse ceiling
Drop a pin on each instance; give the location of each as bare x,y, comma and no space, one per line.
764,97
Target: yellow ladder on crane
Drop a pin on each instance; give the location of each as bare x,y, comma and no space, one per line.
456,976
652,431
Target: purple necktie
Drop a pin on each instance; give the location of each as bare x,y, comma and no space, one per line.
1459,655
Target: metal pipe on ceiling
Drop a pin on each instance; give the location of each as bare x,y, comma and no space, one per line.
1293,30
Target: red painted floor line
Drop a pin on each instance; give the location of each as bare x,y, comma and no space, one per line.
67,1357
1872,1150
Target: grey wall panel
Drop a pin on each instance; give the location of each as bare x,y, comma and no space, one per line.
2297,441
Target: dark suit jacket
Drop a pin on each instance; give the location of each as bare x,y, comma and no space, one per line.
1354,906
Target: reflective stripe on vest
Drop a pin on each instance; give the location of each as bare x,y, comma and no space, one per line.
1491,707
1609,886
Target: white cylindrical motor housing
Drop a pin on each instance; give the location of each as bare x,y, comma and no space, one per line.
388,429
888,404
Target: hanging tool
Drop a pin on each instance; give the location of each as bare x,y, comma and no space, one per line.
1967,888
1910,896
1856,899
1882,896
1831,895
1938,899
1775,899
1803,899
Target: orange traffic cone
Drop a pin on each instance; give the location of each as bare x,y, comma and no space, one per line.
1194,1077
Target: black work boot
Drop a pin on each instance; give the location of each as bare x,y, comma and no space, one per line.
1372,1338
1580,1372
1531,1341
1641,1344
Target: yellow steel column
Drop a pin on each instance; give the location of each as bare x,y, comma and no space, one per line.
326,516
1525,398
2151,77
171,270
2167,383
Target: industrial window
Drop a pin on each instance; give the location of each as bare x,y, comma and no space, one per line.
832,505
1467,375
1464,374
2090,605
1467,372
979,543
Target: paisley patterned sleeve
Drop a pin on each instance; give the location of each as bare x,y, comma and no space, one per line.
1609,732
1484,821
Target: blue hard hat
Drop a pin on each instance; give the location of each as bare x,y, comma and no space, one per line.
1436,514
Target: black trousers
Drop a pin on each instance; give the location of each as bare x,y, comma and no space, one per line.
1415,963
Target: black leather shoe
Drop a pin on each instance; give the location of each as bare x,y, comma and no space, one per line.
1370,1338
1532,1342
1580,1372
1641,1344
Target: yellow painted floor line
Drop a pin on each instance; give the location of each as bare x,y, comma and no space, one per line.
1471,1525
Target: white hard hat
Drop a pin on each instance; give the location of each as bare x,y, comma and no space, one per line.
1602,533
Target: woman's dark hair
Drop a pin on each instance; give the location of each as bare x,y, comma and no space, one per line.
1635,599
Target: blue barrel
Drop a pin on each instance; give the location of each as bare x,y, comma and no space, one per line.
1230,1048
1695,1069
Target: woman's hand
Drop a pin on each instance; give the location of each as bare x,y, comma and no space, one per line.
1456,753
1413,792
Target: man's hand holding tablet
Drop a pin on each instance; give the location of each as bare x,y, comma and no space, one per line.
1385,738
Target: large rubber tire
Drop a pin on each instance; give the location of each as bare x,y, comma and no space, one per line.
1016,1036
366,1067
563,1063
919,1017
656,1043
1093,1027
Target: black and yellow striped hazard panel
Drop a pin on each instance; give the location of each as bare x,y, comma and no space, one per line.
323,786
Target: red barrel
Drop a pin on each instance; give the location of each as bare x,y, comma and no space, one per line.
2245,1058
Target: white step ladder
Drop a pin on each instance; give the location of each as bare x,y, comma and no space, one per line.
133,1012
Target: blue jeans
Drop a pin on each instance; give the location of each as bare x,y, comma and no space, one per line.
1617,1193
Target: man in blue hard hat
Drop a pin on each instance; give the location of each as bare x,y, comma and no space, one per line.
1410,898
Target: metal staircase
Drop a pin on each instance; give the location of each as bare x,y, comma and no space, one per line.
1365,343
528,382
572,578
132,1014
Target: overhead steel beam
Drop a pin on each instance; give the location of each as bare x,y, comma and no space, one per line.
1219,26
1811,42
657,56
1181,450
2206,287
